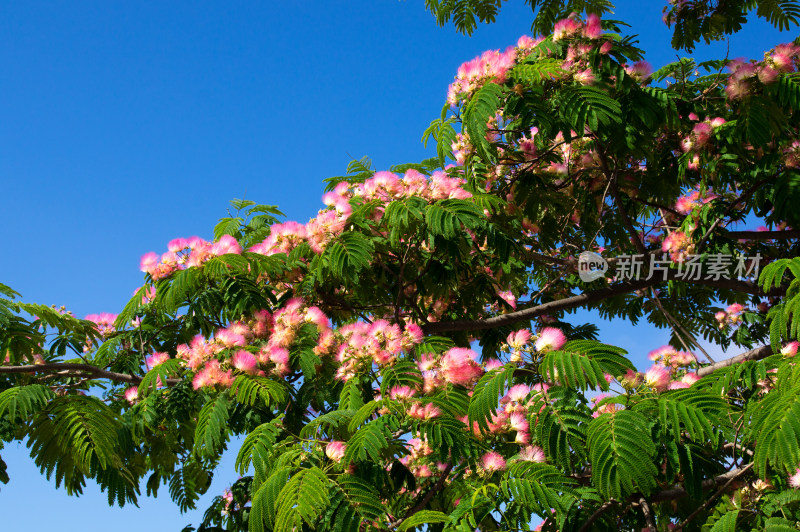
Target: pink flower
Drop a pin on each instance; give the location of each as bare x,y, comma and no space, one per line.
400,393
549,339
657,377
790,349
131,394
156,358
518,422
518,393
532,453
592,29
335,450
245,362
317,317
492,462
518,339
508,297
148,262
459,367
226,244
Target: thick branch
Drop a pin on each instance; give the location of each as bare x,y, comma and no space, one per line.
648,514
581,301
755,354
677,493
66,369
711,499
596,515
427,498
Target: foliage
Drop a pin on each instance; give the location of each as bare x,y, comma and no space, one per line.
407,360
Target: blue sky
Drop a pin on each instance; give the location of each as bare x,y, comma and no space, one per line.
126,124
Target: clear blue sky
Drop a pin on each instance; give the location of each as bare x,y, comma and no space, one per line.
126,124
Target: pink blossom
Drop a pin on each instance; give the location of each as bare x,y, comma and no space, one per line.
518,393
131,394
492,461
245,362
657,377
790,349
518,339
226,244
518,422
148,262
317,317
400,393
156,358
459,367
592,29
532,453
335,450
550,339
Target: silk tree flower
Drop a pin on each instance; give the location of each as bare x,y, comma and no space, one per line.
518,339
790,349
794,480
657,377
492,461
335,450
532,453
550,339
245,362
132,394
518,393
459,367
401,393
155,359
518,422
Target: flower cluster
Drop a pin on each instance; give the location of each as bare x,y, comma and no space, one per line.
104,322
692,201
359,345
458,365
730,316
679,246
419,461
186,252
782,59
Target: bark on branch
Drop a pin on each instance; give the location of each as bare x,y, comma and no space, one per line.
584,300
754,354
68,369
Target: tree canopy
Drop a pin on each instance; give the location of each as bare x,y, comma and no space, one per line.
406,360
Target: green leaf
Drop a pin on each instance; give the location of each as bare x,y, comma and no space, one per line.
727,523
211,432
24,401
424,517
448,217
258,443
621,454
302,500
252,390
368,442
486,395
349,254
482,106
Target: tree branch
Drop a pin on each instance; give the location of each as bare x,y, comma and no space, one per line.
596,515
648,514
68,369
711,499
426,499
583,300
754,354
677,493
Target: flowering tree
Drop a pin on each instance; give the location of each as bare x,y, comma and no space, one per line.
405,360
